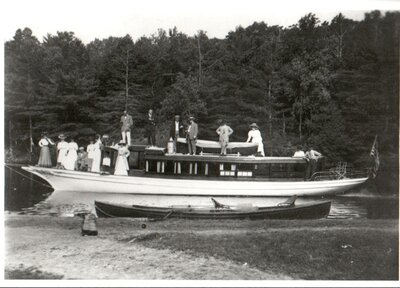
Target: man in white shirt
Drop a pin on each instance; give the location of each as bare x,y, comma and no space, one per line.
313,156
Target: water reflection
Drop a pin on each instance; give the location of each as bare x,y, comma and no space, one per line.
26,192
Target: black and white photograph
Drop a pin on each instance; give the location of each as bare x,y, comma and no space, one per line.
207,143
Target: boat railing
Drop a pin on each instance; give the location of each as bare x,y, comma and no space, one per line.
337,175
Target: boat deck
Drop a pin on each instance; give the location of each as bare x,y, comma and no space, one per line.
213,158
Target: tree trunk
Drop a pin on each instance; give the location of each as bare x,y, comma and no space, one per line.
269,115
301,117
30,138
284,125
126,78
200,60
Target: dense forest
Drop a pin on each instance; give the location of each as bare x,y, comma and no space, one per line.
334,85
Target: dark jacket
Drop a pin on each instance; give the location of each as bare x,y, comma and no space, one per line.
172,130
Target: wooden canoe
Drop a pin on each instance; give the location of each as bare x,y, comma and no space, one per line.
312,210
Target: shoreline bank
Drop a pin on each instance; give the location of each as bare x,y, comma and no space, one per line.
201,250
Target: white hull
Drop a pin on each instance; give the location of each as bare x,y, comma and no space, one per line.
64,180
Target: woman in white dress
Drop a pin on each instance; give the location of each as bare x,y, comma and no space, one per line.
90,150
72,155
62,150
254,136
121,165
97,154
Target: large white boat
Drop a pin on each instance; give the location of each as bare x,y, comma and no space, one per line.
206,175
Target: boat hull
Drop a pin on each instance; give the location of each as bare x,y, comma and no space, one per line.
302,211
65,180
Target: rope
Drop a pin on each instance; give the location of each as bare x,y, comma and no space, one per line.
23,175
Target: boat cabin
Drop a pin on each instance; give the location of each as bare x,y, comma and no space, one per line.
156,161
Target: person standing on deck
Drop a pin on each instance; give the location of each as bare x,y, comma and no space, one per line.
97,146
151,128
127,123
72,155
254,136
224,131
45,157
312,156
90,153
191,135
176,131
62,150
121,164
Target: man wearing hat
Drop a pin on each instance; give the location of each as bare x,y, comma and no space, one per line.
176,130
127,123
62,150
224,131
254,136
191,135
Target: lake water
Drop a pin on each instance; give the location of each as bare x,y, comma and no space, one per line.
29,193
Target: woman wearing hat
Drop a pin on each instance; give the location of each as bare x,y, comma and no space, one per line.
45,158
121,164
72,155
254,136
62,150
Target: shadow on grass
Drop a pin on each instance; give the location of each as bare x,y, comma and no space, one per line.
29,273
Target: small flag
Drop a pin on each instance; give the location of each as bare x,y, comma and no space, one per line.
375,156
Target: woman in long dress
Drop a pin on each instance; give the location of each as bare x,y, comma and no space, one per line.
90,154
254,136
62,150
97,154
121,165
44,157
72,156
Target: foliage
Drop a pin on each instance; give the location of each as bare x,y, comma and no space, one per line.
333,84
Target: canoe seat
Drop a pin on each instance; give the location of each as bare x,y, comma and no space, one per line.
289,202
218,205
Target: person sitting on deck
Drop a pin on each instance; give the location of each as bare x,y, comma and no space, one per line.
82,160
224,131
254,136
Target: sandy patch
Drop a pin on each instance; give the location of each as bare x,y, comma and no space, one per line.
62,250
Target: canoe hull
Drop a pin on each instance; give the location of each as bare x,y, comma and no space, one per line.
64,180
302,211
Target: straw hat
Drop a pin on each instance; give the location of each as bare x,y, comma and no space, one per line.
121,142
254,125
61,136
191,118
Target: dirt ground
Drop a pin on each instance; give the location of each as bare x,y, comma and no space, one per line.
55,246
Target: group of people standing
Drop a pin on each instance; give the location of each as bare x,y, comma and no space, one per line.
69,156
224,132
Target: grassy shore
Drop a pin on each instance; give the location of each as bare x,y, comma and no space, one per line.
45,247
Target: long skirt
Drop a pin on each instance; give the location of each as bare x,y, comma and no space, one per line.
70,161
62,155
45,158
96,161
121,166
